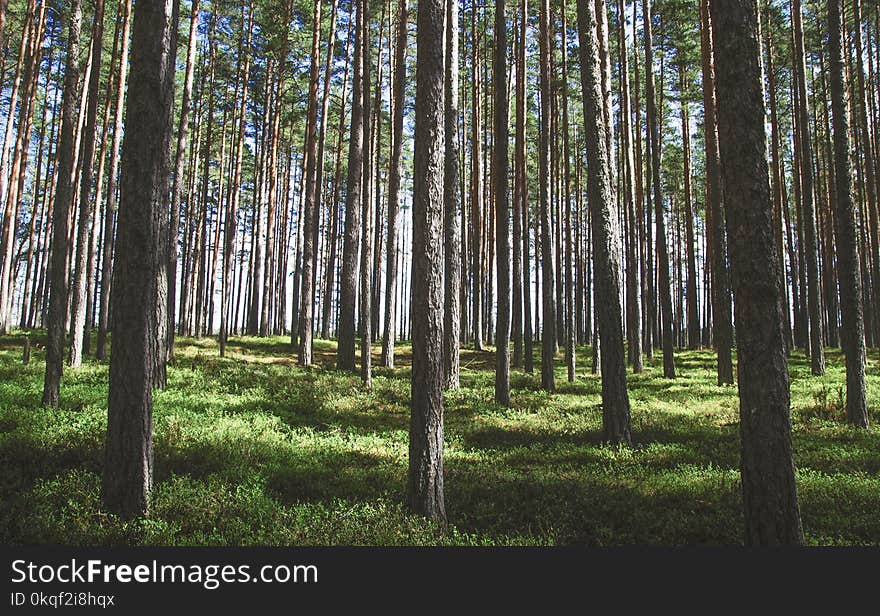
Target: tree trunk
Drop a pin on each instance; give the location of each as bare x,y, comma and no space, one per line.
502,207
451,204
345,354
425,486
693,319
606,239
722,333
633,269
476,188
817,352
548,318
521,190
768,479
235,193
654,134
78,326
128,464
110,207
853,330
307,292
365,303
57,313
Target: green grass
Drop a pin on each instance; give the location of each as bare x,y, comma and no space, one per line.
251,449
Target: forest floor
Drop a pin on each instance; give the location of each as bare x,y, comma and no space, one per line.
251,449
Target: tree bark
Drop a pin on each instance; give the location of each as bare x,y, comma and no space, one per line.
654,134
128,463
307,292
721,318
78,326
853,330
606,240
548,318
345,353
502,208
817,351
57,313
451,206
425,486
768,479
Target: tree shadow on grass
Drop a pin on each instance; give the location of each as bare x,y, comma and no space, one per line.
349,475
593,509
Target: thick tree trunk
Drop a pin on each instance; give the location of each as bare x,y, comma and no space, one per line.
768,479
425,486
128,464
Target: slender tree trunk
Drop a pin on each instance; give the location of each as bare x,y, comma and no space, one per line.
768,478
311,215
502,207
57,313
329,293
86,210
517,262
345,358
476,231
853,330
693,319
606,239
566,155
521,196
452,205
394,178
659,209
817,352
633,269
235,193
548,318
366,213
721,318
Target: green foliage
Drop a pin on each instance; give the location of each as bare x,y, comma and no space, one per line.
252,450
